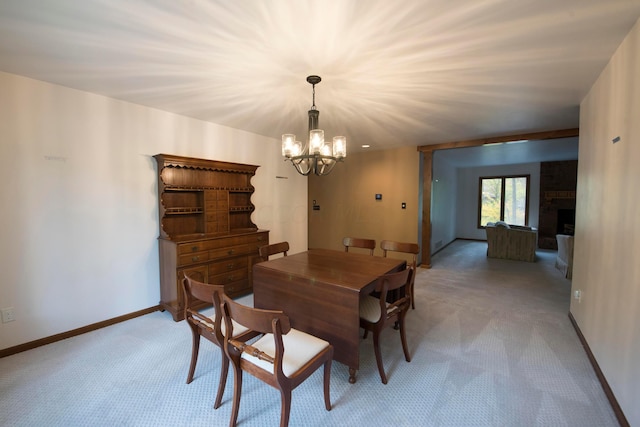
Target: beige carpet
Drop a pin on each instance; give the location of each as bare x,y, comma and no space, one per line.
491,342
500,330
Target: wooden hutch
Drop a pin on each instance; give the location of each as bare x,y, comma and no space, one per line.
205,226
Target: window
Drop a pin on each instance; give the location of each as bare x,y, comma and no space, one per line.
504,198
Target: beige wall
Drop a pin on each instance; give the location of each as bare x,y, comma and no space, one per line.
347,199
607,241
79,204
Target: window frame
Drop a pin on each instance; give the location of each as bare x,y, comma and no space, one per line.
503,179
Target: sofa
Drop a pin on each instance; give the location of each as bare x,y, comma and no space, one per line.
514,242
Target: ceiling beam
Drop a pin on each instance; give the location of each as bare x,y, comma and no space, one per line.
535,136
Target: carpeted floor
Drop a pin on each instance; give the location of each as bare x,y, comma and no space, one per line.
490,339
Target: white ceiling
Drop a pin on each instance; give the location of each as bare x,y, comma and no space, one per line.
394,73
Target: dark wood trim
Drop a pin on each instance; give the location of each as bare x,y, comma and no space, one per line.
617,410
427,178
534,136
64,335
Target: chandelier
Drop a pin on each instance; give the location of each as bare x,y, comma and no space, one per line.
317,156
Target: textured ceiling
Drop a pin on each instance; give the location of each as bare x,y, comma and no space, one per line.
394,72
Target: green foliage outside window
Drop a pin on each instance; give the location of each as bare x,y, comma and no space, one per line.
504,199
491,200
515,200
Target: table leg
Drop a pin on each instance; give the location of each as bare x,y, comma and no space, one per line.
352,375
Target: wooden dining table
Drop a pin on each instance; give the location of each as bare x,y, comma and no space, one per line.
320,291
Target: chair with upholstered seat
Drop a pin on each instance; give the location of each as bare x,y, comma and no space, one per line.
355,242
198,294
564,259
407,248
275,248
283,358
376,313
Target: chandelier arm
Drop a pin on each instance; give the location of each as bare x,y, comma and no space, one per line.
301,172
326,169
298,162
327,163
320,165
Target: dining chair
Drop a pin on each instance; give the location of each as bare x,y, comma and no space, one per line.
275,248
376,313
355,242
408,248
198,294
283,357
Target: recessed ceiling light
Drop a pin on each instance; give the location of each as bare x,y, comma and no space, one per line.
365,146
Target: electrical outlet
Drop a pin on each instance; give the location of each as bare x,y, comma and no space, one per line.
7,315
577,295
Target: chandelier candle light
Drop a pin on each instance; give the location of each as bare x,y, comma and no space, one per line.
317,156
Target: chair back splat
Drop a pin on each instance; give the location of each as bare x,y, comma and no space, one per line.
376,313
283,357
407,248
355,242
276,248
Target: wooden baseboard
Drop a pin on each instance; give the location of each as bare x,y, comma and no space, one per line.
427,266
617,410
457,238
64,335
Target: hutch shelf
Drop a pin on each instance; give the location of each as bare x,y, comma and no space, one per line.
206,230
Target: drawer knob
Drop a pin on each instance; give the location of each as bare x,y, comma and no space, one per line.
259,238
230,251
195,258
194,248
229,266
230,279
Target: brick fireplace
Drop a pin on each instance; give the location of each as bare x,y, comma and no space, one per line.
557,201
